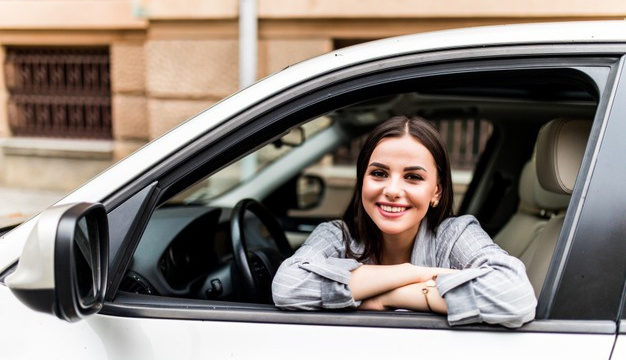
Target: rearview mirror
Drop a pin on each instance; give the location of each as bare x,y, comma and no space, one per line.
293,138
63,268
310,191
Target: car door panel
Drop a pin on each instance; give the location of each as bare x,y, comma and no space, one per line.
114,337
199,340
619,352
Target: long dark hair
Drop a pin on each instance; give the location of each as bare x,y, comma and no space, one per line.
357,222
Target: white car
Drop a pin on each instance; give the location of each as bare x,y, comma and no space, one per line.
161,256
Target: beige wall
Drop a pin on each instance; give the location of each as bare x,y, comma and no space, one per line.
69,14
129,102
188,9
192,69
374,9
49,172
185,76
4,125
278,53
4,121
171,59
166,114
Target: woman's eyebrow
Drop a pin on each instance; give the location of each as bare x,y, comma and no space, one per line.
382,166
414,168
408,168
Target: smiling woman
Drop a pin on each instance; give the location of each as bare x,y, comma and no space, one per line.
399,247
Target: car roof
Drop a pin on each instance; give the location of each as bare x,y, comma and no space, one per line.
145,158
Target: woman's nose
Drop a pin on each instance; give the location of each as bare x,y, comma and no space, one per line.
392,190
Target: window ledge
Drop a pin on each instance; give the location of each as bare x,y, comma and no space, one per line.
58,148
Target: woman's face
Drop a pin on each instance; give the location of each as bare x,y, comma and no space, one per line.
400,183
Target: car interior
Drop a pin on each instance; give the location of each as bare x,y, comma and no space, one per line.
516,141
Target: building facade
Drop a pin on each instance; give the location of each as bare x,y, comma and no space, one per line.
83,83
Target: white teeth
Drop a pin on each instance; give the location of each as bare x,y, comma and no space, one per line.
393,209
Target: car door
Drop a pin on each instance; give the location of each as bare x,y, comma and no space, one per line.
146,326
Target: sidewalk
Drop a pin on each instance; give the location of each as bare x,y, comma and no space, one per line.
17,204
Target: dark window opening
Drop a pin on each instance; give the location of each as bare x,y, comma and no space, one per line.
59,92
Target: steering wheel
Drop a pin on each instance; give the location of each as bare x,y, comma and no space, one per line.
257,266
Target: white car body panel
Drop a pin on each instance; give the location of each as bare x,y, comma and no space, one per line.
107,337
619,352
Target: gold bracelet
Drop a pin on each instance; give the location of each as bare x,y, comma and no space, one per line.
429,284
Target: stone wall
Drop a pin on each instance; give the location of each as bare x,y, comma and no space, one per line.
280,53
4,116
4,121
50,172
185,77
129,102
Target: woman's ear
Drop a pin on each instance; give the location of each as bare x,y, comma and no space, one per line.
437,195
434,201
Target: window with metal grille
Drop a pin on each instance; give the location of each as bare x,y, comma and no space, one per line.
59,92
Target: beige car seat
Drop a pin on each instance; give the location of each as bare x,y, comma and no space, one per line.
559,152
536,206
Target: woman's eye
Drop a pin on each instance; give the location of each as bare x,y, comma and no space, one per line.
378,173
414,177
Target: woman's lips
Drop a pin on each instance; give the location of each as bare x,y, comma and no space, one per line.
391,211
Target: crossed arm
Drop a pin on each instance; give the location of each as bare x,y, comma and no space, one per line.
492,286
397,286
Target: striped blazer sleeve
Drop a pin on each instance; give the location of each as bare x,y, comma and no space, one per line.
317,275
491,287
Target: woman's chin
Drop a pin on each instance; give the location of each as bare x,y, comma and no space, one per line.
395,230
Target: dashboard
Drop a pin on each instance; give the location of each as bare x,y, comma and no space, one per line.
185,251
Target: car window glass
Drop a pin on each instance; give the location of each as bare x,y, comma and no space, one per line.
243,170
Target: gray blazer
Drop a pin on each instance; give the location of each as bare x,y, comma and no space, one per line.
492,286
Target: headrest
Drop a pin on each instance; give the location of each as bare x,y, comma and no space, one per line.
533,198
560,148
527,182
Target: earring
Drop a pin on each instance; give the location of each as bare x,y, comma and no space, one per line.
434,204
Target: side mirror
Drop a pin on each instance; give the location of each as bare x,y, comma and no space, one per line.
310,191
63,268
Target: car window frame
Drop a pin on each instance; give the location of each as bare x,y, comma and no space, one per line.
622,317
573,276
221,135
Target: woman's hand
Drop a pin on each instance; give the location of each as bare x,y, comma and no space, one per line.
371,280
410,297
